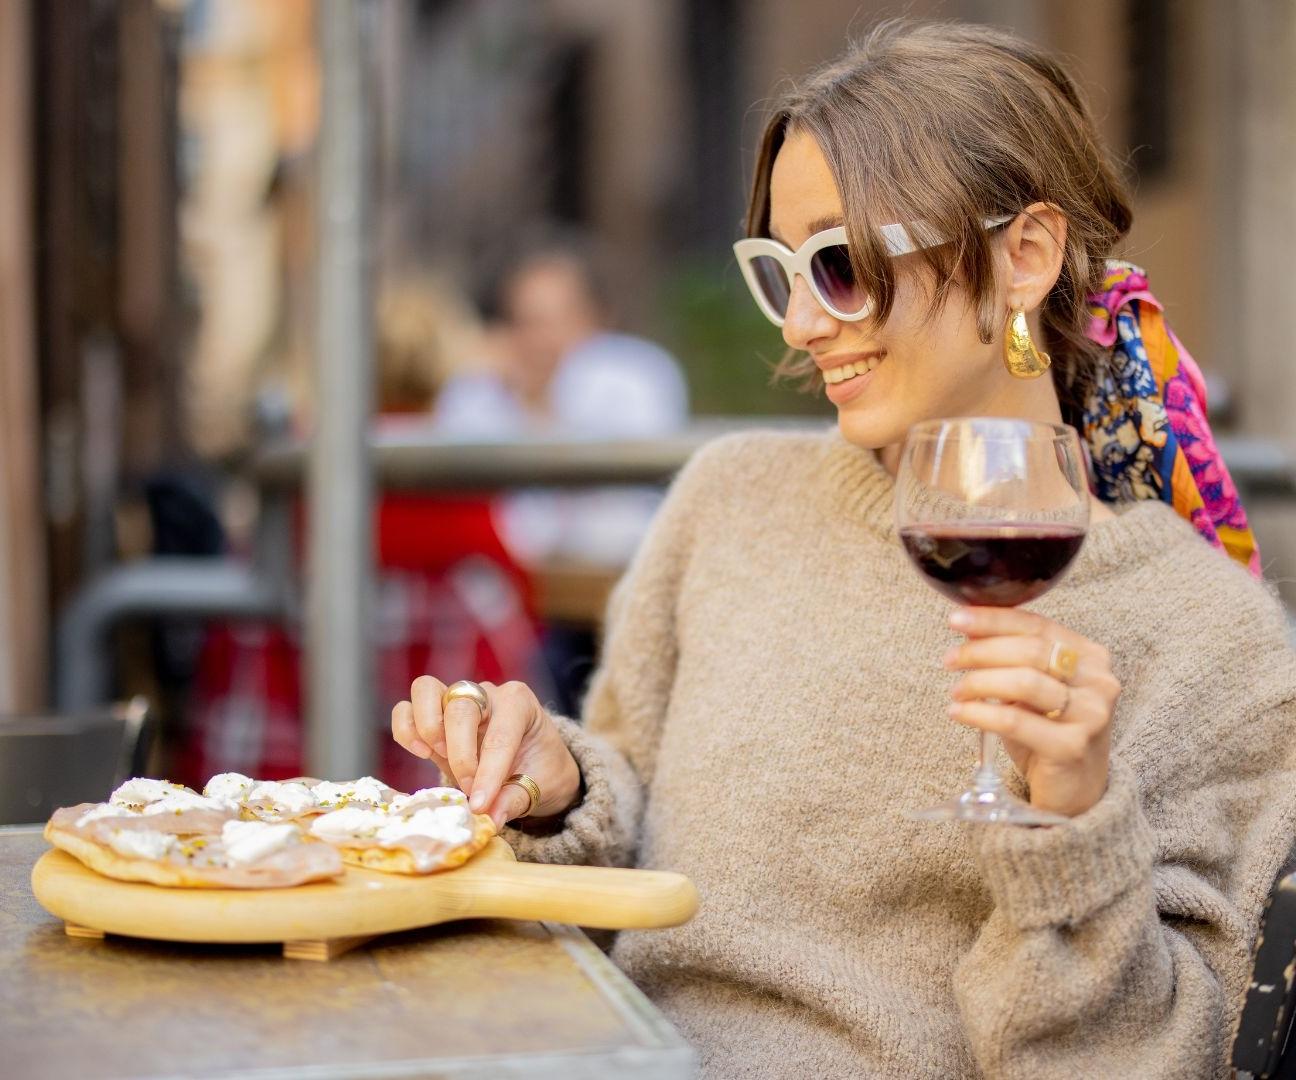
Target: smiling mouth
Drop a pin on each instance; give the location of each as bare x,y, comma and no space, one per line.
832,376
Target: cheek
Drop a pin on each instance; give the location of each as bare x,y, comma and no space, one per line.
945,358
940,365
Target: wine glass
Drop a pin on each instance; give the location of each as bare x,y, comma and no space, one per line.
992,511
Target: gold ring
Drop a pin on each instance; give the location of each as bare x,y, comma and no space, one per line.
1054,714
529,786
470,691
1062,662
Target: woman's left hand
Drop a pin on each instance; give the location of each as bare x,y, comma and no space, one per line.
1064,758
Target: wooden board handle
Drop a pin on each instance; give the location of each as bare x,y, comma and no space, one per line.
602,897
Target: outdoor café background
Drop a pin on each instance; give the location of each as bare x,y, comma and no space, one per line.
159,233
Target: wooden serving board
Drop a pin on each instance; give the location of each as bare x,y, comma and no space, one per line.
319,921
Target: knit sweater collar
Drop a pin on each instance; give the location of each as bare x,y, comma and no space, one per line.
859,487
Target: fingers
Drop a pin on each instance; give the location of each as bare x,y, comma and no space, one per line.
511,802
514,710
405,733
984,622
425,696
1064,744
1093,671
1015,651
462,722
1023,686
478,758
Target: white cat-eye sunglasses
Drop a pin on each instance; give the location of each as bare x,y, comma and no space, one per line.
770,268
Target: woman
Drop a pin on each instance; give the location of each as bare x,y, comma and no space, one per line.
772,681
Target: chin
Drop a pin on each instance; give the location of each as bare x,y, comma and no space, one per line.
869,431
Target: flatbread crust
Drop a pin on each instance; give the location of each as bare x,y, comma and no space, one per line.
103,860
312,861
399,860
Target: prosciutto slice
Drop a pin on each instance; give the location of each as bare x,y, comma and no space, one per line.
194,852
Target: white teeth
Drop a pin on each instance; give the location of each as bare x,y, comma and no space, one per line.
849,371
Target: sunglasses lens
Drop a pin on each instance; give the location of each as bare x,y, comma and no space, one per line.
773,282
835,279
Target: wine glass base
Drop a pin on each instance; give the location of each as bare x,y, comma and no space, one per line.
989,805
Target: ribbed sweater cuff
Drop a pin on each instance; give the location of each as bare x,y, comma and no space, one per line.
1063,874
597,831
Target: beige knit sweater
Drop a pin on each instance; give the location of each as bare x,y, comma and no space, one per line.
771,698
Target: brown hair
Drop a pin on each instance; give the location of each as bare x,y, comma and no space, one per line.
950,123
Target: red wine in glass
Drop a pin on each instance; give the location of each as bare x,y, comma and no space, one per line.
992,511
994,566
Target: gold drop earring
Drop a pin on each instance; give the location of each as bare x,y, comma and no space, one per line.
1021,358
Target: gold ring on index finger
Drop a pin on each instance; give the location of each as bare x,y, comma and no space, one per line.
471,691
529,786
1062,662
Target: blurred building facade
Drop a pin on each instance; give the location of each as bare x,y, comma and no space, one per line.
156,194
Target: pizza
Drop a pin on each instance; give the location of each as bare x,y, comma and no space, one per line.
186,840
430,830
244,833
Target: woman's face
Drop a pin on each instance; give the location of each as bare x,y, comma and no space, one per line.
923,366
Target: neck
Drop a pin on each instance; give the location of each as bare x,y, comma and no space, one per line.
1033,400
1016,398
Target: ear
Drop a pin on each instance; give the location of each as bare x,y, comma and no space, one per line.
1034,243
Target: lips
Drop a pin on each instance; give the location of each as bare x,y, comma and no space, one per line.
847,379
837,369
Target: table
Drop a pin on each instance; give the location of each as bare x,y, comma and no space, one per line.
462,1000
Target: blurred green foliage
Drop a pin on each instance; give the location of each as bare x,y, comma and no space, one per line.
728,348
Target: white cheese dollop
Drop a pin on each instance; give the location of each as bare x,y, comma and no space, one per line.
228,785
142,843
103,810
349,823
140,790
177,801
433,796
289,798
251,841
365,790
450,824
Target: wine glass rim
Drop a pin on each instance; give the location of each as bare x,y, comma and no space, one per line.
984,427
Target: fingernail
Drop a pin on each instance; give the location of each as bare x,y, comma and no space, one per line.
440,748
956,708
950,659
465,785
960,619
478,801
421,749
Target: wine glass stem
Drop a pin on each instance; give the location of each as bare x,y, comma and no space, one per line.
987,775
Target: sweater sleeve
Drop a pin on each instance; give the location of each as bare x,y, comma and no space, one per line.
616,747
1123,938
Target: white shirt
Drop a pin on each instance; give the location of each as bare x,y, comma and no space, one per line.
610,386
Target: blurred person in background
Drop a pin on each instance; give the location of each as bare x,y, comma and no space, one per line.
556,370
929,207
557,367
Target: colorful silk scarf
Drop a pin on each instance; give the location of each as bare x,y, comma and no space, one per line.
1145,421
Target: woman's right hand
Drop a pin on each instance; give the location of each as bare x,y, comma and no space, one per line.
519,737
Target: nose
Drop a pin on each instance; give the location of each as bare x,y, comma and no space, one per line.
806,322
